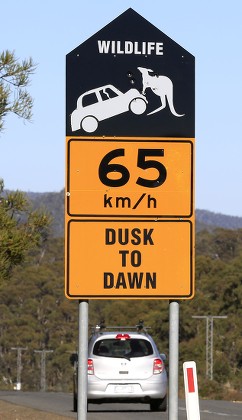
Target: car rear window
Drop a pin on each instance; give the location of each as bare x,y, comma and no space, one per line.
113,347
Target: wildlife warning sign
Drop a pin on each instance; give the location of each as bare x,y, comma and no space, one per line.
130,150
130,79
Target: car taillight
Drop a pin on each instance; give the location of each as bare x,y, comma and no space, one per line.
158,366
90,367
122,337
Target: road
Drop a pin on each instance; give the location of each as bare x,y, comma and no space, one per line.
61,403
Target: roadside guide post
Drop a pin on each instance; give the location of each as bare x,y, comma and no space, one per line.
130,150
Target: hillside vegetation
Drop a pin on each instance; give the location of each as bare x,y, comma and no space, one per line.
35,315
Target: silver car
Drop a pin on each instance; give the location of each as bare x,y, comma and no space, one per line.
125,366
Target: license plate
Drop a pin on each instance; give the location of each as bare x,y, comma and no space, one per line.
123,389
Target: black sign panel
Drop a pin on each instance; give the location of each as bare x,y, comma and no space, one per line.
130,79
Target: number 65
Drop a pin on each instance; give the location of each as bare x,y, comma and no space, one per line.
106,167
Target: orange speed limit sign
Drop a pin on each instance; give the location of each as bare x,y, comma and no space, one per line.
136,177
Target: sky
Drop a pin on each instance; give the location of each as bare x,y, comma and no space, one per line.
32,155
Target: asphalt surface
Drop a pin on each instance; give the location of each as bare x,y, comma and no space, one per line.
61,403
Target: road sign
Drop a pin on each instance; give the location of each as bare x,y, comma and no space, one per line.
130,177
130,127
129,259
130,79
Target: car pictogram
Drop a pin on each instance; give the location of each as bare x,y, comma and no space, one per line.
105,102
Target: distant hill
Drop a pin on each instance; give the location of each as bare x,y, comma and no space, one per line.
208,219
53,202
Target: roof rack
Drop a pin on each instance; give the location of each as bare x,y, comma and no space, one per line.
101,326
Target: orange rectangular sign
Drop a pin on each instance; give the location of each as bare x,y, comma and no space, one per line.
137,177
133,259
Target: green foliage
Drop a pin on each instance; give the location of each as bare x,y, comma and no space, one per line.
21,229
14,77
36,315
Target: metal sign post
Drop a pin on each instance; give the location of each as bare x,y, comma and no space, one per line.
82,361
173,359
130,128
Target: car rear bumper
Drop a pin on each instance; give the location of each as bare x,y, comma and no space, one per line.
126,391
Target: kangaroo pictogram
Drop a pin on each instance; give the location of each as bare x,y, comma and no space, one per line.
162,86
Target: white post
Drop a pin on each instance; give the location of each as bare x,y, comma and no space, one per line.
191,390
19,365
